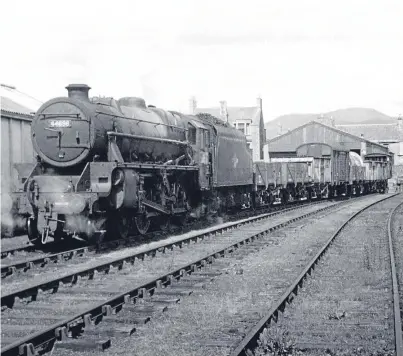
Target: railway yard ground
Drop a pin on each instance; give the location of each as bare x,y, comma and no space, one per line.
205,297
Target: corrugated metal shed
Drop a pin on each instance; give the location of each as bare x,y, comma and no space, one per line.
16,144
375,132
316,132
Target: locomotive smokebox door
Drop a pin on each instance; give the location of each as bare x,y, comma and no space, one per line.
61,132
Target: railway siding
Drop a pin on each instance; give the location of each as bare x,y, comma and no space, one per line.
214,320
27,258
346,307
396,256
183,244
85,297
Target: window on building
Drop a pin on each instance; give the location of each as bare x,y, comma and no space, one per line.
241,127
248,129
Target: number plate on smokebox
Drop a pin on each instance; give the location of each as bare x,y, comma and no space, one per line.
60,123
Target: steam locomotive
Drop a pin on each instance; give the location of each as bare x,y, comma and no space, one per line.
118,167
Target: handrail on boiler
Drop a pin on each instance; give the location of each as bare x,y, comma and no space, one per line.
144,121
157,139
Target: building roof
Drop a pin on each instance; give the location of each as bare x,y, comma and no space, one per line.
235,113
11,106
375,132
358,138
17,103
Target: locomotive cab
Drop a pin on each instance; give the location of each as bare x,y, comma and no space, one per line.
199,139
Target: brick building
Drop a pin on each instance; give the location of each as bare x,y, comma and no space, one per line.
248,119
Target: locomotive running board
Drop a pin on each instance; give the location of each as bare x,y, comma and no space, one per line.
154,166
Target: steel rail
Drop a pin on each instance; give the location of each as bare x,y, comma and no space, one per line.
395,288
26,265
33,291
31,247
43,261
250,341
12,251
42,340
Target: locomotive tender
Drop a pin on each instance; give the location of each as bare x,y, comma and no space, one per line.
115,166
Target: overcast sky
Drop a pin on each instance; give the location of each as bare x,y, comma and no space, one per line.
299,55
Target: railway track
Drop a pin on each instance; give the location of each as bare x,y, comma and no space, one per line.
27,247
58,312
294,324
396,257
52,248
32,258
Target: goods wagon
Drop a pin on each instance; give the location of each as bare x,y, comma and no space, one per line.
296,178
339,159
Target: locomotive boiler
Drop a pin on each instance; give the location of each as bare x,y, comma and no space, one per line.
67,132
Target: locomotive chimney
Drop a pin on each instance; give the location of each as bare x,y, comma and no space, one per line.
78,91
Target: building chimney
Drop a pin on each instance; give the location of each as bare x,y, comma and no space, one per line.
363,150
78,91
400,123
223,111
259,102
192,105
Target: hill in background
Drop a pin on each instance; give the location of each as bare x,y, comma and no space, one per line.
342,116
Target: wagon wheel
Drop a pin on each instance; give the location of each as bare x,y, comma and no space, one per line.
142,223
